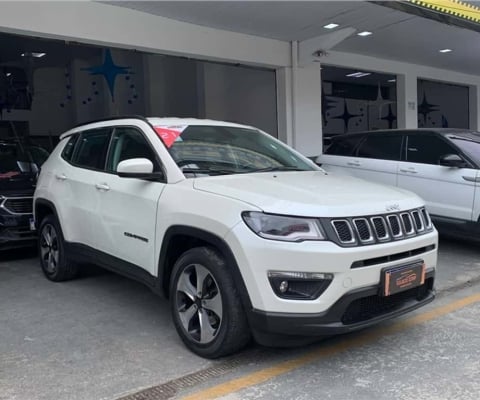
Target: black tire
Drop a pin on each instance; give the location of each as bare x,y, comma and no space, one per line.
224,334
51,250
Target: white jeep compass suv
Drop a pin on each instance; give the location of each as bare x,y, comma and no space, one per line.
244,235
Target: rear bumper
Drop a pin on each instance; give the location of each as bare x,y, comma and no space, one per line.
355,310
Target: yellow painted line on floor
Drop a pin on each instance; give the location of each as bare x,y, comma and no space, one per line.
263,375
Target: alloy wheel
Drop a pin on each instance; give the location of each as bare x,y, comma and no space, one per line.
49,248
199,303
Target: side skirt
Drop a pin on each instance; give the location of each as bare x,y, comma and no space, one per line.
85,254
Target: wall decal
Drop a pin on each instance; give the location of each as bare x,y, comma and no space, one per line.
390,117
109,70
380,102
425,108
346,116
327,105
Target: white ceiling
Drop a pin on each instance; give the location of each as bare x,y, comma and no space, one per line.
396,35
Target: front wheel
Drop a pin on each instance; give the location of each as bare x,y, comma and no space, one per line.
205,304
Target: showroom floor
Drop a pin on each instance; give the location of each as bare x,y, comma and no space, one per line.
103,337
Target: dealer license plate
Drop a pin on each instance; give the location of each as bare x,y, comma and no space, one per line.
401,278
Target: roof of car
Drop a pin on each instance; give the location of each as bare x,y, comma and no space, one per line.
159,121
441,131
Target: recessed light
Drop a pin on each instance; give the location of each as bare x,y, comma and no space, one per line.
358,74
445,50
8,74
33,54
364,33
330,26
392,80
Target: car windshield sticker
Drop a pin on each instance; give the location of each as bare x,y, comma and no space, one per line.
169,134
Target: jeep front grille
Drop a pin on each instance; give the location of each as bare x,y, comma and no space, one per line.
344,231
355,231
17,205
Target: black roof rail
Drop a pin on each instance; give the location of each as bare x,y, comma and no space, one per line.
140,117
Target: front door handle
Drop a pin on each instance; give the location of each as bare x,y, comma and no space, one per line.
470,178
60,177
102,186
353,164
408,171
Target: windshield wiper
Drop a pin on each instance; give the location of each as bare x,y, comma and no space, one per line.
280,168
209,171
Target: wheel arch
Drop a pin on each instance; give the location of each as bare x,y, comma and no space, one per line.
43,208
180,238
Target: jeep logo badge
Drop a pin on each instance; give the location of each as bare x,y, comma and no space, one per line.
393,207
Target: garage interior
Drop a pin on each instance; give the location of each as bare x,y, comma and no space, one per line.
280,66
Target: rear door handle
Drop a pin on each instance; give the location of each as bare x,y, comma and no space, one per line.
102,186
409,171
61,177
353,164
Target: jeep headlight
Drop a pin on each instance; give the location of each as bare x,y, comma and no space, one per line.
281,227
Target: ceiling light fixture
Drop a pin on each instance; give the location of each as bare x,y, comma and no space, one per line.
364,33
445,50
358,74
392,80
8,74
330,26
33,54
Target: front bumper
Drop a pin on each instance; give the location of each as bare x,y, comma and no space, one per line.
15,232
355,310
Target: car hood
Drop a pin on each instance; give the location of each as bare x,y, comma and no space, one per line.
310,193
16,184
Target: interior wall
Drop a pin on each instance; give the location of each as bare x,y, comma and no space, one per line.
241,94
76,89
407,75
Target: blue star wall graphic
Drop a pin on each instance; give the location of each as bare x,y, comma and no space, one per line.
109,71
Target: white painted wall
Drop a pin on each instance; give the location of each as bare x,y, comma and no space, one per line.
307,121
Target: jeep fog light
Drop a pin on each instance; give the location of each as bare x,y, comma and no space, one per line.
299,285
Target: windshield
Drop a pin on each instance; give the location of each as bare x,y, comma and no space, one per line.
217,150
471,147
16,159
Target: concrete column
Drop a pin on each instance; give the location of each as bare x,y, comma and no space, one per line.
473,107
284,105
407,116
307,109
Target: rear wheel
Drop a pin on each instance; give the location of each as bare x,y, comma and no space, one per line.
206,306
51,245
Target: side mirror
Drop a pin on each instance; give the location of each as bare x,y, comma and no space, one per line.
452,160
140,168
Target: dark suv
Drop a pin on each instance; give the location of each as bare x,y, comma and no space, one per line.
19,166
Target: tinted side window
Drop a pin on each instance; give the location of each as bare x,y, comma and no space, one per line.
427,149
382,146
129,143
91,149
69,147
343,146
